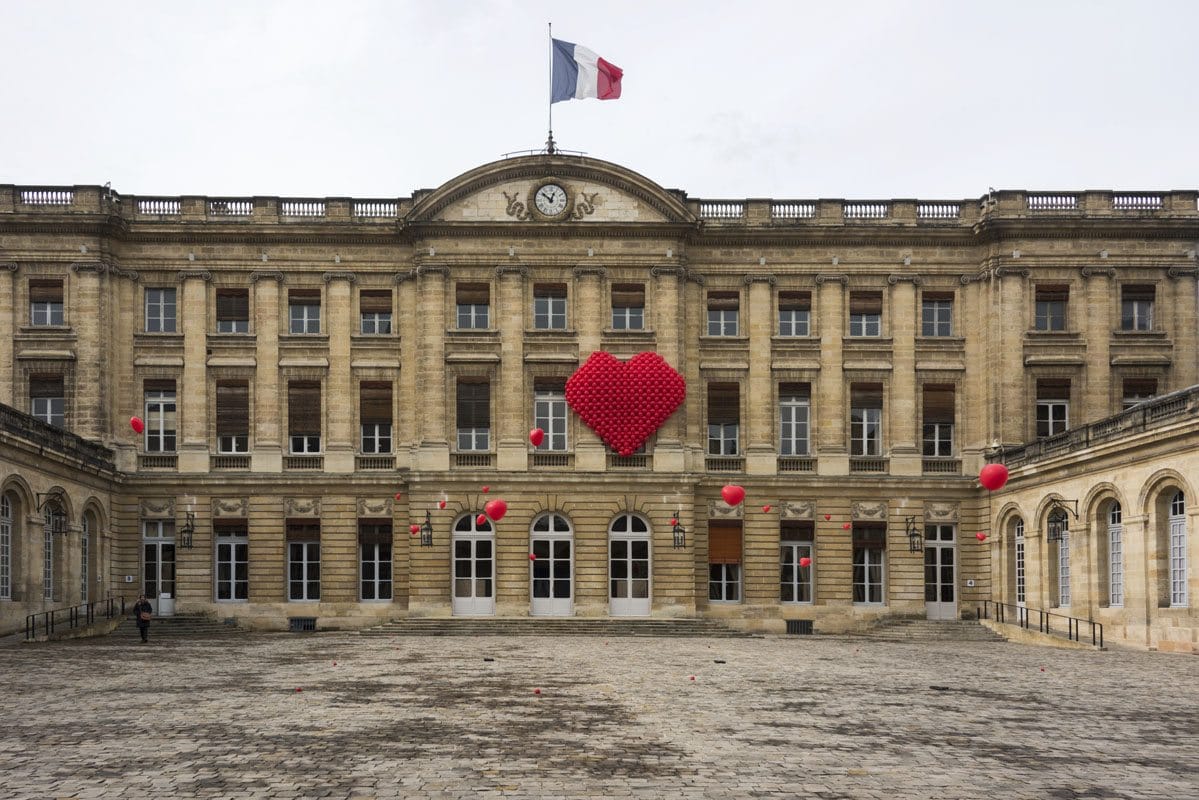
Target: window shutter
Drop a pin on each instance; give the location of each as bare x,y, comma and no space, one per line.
374,402
869,534
232,409
304,408
796,531
1048,293
159,385
41,291
938,403
865,302
1129,292
1140,387
866,395
232,304
795,301
724,300
628,295
795,391
724,543
303,531
549,290
939,296
549,384
474,404
304,297
1053,389
375,301
724,403
374,532
46,386
473,294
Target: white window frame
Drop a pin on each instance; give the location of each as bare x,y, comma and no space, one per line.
309,444
232,583
1115,557
306,562
941,439
156,402
549,312
84,546
233,443
369,554
936,318
549,414
477,316
48,554
376,437
161,315
1064,589
1021,582
724,321
474,440
795,415
871,557
865,432
304,318
628,318
1049,315
795,322
50,410
1136,315
790,552
45,313
724,438
726,587
233,326
1052,407
1178,551
6,518
373,323
866,324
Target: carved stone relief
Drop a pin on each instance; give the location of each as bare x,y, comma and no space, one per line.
374,507
718,509
158,508
869,511
797,510
231,507
301,507
940,512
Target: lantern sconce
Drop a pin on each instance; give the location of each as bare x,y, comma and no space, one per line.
1056,522
54,501
426,530
680,533
915,537
188,531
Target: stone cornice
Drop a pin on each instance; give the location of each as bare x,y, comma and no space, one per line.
907,277
340,276
184,274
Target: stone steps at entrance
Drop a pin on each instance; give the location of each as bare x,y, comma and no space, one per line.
552,626
925,630
178,626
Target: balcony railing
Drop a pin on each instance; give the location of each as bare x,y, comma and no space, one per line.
551,460
302,208
938,210
48,197
230,208
797,464
238,462
721,209
866,210
374,462
724,464
1137,202
375,208
53,438
160,206
793,209
635,461
1052,202
474,460
942,466
859,464
304,462
154,462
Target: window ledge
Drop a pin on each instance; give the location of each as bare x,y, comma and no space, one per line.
550,332
956,340
491,332
374,337
163,337
304,337
868,339
233,337
628,332
809,339
1050,335
706,339
1123,334
46,329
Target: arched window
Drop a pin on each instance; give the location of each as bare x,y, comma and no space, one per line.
84,546
51,515
1059,527
5,548
1178,551
1115,556
1020,584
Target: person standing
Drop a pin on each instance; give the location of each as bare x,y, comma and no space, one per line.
142,611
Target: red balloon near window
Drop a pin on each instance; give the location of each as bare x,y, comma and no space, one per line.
536,437
733,494
805,562
480,520
846,526
982,537
993,476
496,509
137,424
414,529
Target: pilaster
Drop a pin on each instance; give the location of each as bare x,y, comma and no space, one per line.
1012,322
193,394
760,452
1185,328
8,273
90,394
1097,320
267,454
831,435
669,324
434,453
589,322
905,455
510,400
339,391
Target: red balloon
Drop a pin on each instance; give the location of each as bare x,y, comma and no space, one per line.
982,537
414,528
674,521
298,689
536,436
137,424
805,562
827,517
846,526
480,520
399,495
536,691
766,509
441,504
993,476
486,489
732,494
496,509
532,557
692,677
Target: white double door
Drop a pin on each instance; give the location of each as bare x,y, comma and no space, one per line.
550,570
629,567
474,571
940,572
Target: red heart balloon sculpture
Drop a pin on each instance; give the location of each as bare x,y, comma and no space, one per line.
414,529
496,509
399,495
441,504
732,494
624,402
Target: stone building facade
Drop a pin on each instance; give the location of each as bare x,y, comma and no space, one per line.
319,375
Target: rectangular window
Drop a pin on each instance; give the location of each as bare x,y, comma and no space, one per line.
374,310
724,562
865,313
85,544
474,415
1115,556
938,420
47,399
628,306
232,577
160,310
48,556
936,314
869,559
549,412
866,419
304,417
374,412
1138,390
795,407
724,419
1063,568
303,561
474,305
232,311
5,548
795,580
1178,552
304,311
549,306
1053,407
795,314
374,561
233,417
1050,312
160,416
1136,308
723,313
45,302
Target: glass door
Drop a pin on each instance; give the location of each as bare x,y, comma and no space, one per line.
940,578
629,567
551,567
474,568
158,565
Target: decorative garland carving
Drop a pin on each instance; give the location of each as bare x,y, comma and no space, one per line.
516,208
374,507
301,507
947,512
158,508
234,507
584,205
869,510
797,510
718,509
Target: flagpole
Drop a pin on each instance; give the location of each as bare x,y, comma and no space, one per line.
549,142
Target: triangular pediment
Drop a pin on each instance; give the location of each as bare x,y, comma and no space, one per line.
592,191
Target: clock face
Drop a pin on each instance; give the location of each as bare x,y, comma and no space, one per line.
550,199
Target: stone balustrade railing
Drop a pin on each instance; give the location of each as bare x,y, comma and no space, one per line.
1004,204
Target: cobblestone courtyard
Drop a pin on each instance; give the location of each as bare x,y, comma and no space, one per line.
433,718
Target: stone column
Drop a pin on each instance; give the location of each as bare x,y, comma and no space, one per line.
510,400
340,415
1184,330
1096,328
434,452
406,435
973,403
902,419
8,272
127,394
696,439
86,413
589,306
761,457
193,393
1012,322
829,414
669,326
1140,590
265,442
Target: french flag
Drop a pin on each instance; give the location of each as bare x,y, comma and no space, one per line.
580,73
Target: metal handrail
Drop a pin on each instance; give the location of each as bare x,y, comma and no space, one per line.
84,613
1023,614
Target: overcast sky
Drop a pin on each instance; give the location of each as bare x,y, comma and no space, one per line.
722,99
